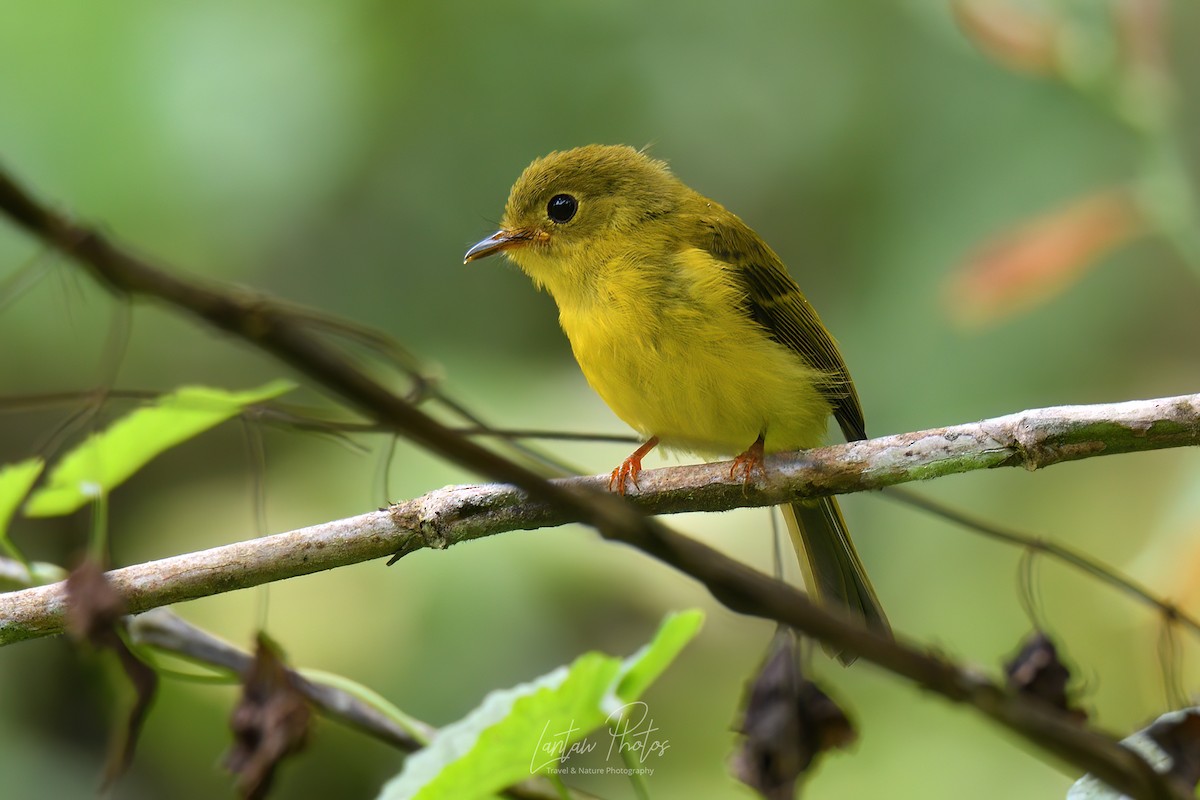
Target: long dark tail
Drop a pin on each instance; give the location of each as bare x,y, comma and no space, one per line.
831,567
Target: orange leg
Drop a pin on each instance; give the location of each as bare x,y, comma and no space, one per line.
749,461
630,467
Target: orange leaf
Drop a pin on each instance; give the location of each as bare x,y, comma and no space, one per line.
1031,263
1014,37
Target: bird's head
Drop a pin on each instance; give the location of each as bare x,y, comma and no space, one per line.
573,208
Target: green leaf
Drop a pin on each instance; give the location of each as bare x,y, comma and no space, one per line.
497,744
15,482
369,697
108,458
524,731
643,667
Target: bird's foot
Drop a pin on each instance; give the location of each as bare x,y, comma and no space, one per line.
628,471
749,461
630,468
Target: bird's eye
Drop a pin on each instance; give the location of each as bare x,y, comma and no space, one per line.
562,208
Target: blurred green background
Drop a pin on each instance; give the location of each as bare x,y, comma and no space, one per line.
344,155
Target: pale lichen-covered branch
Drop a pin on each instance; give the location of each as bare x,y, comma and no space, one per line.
1032,439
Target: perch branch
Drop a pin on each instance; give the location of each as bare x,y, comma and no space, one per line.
455,514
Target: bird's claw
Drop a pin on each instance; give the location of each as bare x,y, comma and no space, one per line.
628,471
748,462
631,467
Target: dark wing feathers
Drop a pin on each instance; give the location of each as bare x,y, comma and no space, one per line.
775,302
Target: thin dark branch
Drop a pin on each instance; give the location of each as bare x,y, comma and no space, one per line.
1080,561
163,629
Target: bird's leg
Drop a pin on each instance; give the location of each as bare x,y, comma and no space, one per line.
630,467
750,460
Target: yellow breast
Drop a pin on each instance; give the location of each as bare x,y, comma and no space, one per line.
671,349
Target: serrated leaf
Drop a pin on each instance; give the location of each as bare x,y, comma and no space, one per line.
110,457
496,744
525,730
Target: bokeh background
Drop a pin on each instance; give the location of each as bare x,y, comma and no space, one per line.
344,155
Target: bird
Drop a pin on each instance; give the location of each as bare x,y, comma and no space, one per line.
689,327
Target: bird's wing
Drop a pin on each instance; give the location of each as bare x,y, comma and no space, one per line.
776,302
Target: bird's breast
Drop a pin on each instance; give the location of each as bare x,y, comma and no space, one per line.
671,350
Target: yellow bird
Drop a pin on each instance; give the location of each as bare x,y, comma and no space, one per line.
689,327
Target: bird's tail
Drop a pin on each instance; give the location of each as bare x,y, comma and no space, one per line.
832,570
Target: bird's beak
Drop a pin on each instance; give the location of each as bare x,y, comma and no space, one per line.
502,240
